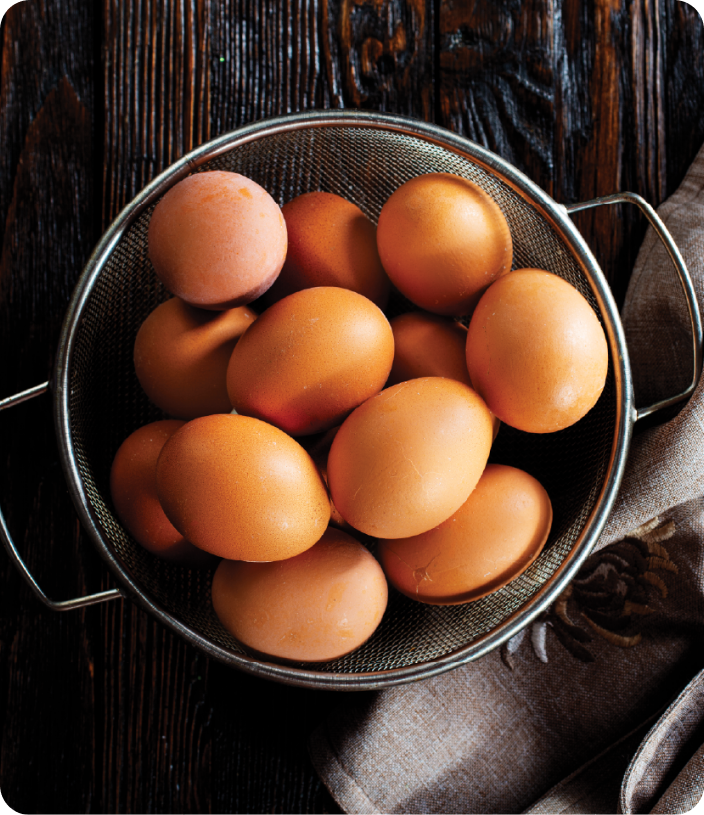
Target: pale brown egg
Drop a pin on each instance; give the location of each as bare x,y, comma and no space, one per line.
217,240
181,354
408,458
443,241
310,359
536,351
331,242
494,536
314,607
133,491
241,489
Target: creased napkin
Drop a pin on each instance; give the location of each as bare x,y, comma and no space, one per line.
549,722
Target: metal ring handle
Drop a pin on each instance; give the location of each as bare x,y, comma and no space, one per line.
685,280
61,605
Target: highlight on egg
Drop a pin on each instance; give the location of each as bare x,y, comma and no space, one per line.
314,607
494,537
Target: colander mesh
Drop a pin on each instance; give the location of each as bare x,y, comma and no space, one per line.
363,165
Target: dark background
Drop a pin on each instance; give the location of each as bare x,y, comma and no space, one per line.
103,709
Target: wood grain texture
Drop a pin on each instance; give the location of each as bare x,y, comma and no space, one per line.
156,91
497,85
382,53
48,227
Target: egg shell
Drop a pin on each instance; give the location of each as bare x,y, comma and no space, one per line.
536,351
428,345
133,491
409,457
315,607
181,354
331,242
241,489
310,359
443,241
217,240
494,536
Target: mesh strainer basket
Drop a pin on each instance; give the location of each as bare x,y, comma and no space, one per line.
364,158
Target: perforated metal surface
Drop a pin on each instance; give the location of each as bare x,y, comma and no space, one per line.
106,402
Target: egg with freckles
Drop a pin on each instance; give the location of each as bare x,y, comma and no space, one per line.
217,239
314,607
494,536
241,489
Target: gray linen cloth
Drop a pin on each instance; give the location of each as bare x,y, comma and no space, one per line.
549,722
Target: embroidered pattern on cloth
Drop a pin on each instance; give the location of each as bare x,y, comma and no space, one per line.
611,592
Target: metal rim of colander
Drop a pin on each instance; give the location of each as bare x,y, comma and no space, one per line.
560,221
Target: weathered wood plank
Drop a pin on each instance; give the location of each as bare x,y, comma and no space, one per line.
47,228
157,98
381,54
496,79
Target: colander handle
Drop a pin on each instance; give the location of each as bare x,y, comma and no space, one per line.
61,605
685,280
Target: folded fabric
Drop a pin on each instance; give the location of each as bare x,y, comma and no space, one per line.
603,662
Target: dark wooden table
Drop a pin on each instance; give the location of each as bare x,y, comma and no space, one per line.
103,709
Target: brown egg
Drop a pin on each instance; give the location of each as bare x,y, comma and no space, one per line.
310,359
428,345
442,241
133,490
409,457
241,489
494,536
536,351
217,240
331,242
181,355
314,607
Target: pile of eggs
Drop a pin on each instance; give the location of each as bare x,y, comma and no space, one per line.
302,430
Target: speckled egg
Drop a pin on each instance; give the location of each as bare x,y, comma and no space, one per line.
217,239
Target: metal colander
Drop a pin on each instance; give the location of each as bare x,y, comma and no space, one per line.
364,158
